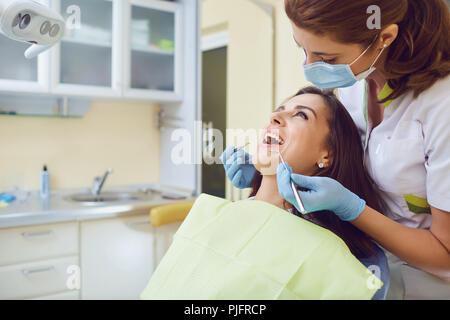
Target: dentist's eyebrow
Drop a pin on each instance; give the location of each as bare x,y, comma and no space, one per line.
316,53
325,54
299,107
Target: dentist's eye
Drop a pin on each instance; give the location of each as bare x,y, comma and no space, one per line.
303,115
329,61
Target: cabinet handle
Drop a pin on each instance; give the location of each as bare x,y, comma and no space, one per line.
137,223
31,271
37,234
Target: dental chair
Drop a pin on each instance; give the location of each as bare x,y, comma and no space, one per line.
165,220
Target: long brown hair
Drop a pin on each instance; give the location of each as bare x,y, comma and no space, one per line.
415,60
347,167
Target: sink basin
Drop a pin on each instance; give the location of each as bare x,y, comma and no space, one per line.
107,196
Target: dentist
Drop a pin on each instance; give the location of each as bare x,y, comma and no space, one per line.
394,80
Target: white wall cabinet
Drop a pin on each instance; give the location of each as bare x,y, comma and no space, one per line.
120,49
88,61
152,49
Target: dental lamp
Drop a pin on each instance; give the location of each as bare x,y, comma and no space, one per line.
31,22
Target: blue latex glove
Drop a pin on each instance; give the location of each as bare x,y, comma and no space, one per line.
325,194
238,167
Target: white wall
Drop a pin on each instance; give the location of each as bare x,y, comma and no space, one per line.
112,134
289,76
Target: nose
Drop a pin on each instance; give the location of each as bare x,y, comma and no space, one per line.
277,119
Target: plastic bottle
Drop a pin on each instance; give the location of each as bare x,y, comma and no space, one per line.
45,183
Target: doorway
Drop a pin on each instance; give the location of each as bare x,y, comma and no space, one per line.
214,104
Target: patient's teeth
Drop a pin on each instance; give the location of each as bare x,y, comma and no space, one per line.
277,140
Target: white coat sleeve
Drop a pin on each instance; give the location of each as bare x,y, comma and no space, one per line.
435,115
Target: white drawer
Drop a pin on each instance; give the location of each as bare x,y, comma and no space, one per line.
35,279
18,245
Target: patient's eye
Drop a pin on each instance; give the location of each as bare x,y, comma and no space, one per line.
302,114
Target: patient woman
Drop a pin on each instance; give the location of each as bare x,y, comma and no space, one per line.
317,137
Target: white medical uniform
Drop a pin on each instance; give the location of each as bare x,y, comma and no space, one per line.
408,157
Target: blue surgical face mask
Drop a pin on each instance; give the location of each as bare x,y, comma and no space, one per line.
330,76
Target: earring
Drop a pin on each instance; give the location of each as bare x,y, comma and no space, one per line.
321,165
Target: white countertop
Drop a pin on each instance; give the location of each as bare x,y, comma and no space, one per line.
35,210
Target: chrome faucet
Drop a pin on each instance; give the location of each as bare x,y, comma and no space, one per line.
99,181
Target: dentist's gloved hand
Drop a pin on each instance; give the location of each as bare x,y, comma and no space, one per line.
238,167
325,194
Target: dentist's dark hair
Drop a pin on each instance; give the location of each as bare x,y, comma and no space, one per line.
345,146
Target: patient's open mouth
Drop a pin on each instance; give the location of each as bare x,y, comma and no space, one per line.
271,138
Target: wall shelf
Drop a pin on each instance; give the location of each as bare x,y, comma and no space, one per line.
43,106
88,42
153,51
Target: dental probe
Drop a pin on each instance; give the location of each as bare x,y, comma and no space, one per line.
294,189
243,146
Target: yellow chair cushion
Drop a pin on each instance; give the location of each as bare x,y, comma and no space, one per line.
170,213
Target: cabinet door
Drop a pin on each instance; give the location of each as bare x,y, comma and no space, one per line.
18,74
87,61
152,50
116,257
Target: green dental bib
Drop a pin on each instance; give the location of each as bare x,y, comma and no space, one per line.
249,250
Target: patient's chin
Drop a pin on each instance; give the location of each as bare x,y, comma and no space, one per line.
266,163
268,171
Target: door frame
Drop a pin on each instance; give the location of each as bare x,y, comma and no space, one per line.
209,42
215,40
